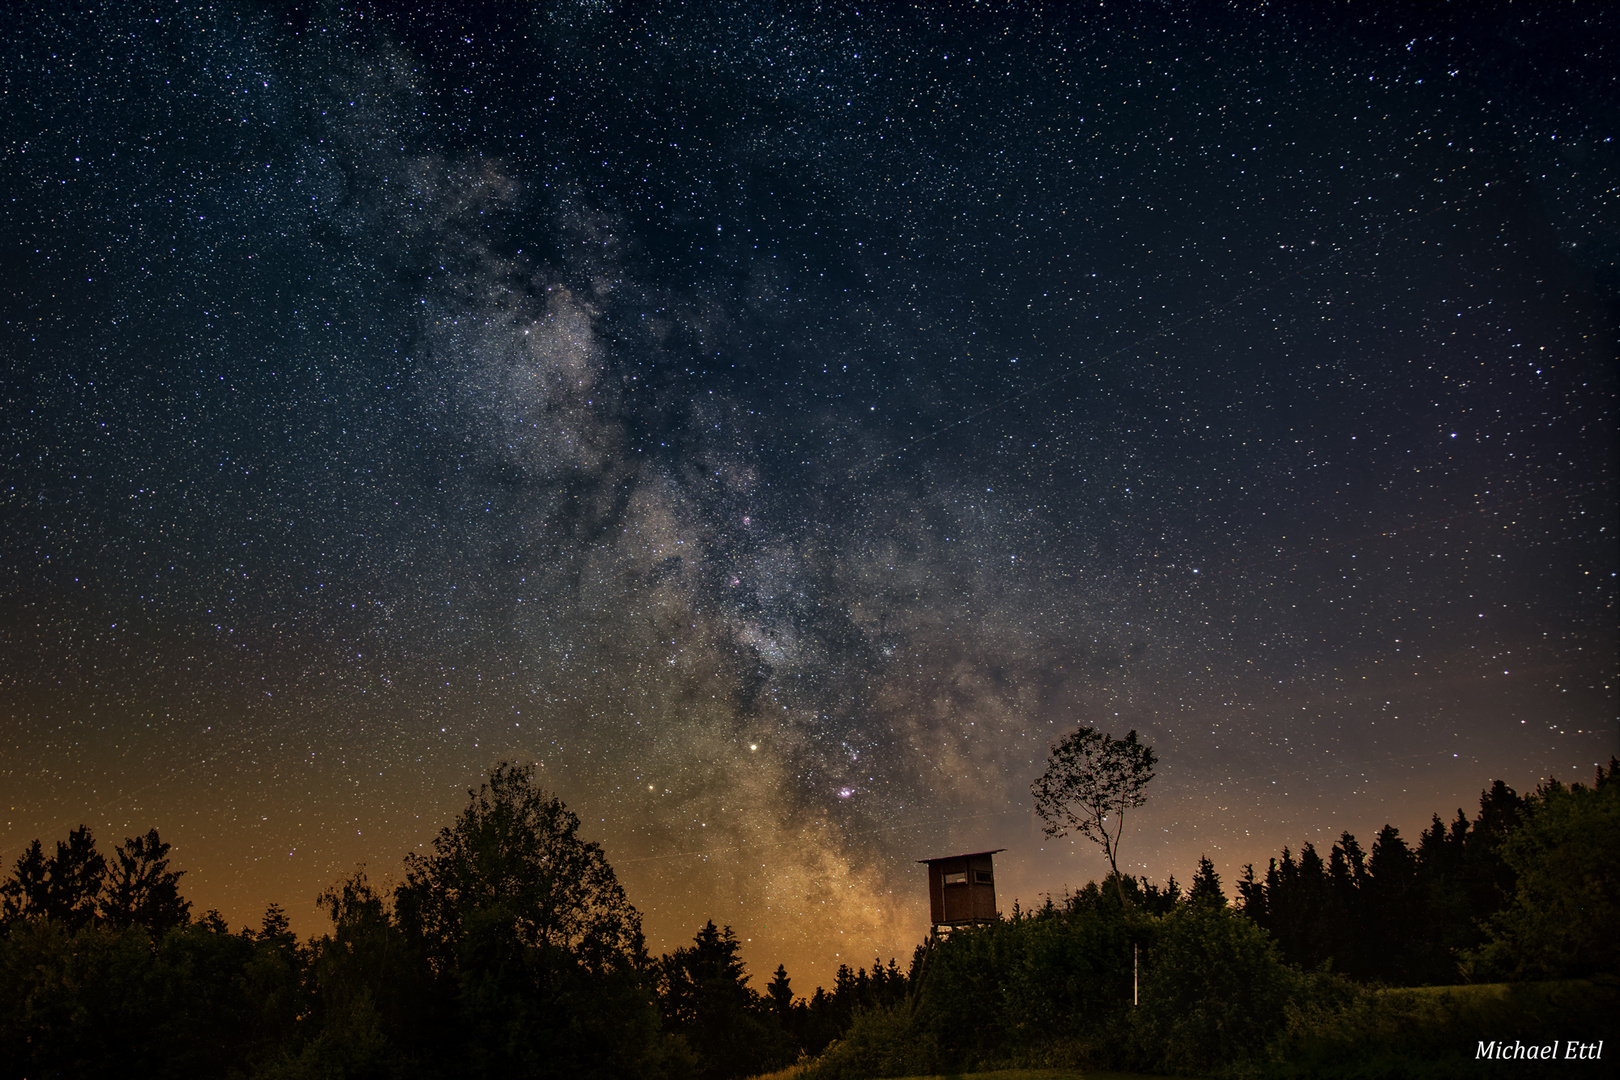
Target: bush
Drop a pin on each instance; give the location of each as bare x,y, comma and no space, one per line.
1214,991
105,1001
1053,989
1072,972
961,1003
880,1042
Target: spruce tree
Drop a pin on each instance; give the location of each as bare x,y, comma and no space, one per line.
1206,885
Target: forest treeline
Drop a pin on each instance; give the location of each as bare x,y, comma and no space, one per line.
510,949
1400,914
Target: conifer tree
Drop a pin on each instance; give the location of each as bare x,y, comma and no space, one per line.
707,999
780,992
1206,885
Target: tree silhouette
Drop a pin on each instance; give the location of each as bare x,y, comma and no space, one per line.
78,887
1390,904
1565,857
141,889
780,992
515,853
74,878
705,979
528,936
707,1000
1206,885
64,887
1091,779
23,894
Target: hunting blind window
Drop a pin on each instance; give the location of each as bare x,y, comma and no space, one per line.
959,878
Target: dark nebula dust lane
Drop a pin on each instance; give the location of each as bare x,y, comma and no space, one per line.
779,424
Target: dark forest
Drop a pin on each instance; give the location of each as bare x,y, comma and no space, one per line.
511,950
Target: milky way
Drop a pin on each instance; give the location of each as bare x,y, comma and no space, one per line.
779,425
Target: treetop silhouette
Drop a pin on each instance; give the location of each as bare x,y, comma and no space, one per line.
1091,779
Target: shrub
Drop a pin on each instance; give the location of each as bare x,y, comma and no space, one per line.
961,1004
1214,991
885,1041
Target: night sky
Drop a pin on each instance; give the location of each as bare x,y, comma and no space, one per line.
780,423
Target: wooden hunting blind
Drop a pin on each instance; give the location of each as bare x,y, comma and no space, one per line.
961,889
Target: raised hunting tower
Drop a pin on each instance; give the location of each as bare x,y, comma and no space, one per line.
961,890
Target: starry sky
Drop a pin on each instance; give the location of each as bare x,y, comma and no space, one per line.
779,423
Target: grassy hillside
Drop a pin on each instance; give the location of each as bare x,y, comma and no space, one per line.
1436,1031
996,1074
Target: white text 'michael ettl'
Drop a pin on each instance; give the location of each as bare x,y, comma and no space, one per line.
1517,1051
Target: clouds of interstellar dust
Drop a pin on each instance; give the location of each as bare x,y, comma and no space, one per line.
750,701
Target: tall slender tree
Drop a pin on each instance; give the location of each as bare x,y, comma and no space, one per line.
1091,780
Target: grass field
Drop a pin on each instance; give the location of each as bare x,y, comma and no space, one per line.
999,1074
1429,1032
